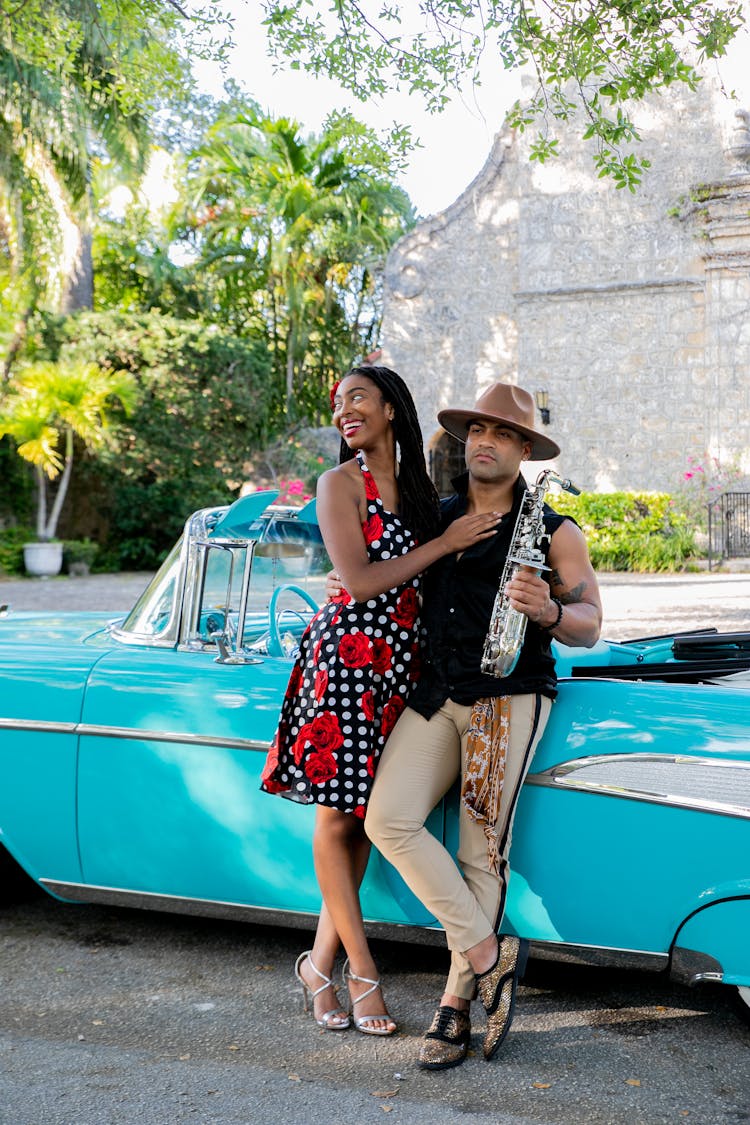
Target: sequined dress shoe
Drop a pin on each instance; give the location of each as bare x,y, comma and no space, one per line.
446,1043
497,990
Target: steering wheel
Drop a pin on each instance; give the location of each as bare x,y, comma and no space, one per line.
275,647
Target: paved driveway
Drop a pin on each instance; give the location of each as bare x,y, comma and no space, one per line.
634,604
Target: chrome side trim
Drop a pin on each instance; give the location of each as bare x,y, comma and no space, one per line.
93,730
39,725
231,911
700,784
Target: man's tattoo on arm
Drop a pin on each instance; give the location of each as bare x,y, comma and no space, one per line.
570,597
567,597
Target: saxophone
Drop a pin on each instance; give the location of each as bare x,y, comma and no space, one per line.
502,645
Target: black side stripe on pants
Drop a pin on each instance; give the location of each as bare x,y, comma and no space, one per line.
512,812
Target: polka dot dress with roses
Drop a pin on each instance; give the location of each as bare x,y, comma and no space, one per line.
357,665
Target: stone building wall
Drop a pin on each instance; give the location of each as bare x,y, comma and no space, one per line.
631,311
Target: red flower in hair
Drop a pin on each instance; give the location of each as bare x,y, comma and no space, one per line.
334,388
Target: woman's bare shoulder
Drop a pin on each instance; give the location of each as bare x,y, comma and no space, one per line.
341,481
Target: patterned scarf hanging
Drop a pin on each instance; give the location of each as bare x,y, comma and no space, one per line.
486,749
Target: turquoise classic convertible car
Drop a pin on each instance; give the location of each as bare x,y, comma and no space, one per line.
131,749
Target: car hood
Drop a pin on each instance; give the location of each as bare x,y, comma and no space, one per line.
28,627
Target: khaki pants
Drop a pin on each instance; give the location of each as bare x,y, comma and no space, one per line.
420,762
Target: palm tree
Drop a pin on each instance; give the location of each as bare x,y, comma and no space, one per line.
299,227
50,405
72,85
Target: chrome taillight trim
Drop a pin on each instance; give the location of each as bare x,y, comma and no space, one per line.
615,779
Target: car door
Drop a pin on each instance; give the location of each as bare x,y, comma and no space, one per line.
171,749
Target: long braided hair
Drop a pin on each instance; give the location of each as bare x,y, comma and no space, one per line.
420,505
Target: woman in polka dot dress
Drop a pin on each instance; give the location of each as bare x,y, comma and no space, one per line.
357,664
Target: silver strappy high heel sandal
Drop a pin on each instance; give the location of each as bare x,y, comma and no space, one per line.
326,1021
364,1023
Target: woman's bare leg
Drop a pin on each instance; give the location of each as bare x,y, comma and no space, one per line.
341,851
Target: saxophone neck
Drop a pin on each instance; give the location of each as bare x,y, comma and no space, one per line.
548,477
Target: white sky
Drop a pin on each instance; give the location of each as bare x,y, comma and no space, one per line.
456,142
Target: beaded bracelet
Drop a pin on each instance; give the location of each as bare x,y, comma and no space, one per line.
558,619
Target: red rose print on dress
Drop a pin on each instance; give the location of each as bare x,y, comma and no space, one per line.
320,767
325,732
360,811
367,705
371,765
371,489
372,528
269,769
355,650
301,742
295,681
407,607
322,734
391,712
381,655
321,683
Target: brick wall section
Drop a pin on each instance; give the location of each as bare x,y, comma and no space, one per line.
632,311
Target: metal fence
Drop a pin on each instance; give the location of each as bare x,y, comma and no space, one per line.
729,527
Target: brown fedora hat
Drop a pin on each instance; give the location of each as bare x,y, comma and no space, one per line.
502,402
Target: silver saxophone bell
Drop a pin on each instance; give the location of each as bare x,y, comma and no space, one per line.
502,645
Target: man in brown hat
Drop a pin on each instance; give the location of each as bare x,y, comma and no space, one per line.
460,719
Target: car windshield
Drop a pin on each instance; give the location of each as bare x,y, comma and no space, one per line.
153,611
289,552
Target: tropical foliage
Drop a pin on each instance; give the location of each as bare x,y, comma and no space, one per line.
203,403
596,55
293,231
78,80
48,406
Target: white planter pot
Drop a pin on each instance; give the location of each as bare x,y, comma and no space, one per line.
43,560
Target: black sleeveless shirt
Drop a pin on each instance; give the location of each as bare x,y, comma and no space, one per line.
459,594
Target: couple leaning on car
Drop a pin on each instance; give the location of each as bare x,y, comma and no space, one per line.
384,710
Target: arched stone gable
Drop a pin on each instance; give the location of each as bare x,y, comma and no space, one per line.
632,311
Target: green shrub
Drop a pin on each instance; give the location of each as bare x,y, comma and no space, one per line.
12,540
79,552
204,403
637,531
16,486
